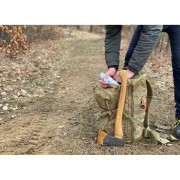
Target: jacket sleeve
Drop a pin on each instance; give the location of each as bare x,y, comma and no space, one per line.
112,45
133,43
147,41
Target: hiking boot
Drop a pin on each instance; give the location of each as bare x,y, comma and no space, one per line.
177,130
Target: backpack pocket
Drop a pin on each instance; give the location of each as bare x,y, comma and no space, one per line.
105,121
107,98
135,109
139,107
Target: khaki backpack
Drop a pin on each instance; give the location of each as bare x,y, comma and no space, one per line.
135,122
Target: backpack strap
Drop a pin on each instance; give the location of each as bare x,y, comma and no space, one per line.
148,132
149,99
158,137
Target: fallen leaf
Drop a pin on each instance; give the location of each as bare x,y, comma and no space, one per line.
169,145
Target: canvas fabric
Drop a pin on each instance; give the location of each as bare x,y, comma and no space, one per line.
135,120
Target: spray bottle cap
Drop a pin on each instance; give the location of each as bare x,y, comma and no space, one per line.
102,75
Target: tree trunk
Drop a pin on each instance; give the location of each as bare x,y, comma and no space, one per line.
91,28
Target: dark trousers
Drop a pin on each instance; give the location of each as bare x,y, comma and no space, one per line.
174,36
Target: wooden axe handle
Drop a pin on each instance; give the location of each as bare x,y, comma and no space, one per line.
118,124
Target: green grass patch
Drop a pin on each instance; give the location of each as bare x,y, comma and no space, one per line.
15,102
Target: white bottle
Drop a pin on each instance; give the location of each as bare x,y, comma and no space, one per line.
109,80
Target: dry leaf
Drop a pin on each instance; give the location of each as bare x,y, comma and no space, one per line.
169,145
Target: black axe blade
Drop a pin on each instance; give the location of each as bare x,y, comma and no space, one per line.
108,140
113,141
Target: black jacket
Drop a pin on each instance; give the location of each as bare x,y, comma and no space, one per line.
147,41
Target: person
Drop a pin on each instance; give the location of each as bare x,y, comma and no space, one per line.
144,40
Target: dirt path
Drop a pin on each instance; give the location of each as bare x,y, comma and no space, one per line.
61,121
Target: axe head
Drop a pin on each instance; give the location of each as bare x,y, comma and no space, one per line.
105,139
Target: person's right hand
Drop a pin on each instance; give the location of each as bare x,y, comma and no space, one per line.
117,78
111,72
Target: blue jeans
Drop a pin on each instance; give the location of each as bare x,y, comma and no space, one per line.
174,36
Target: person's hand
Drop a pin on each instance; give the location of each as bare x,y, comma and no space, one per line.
117,78
111,72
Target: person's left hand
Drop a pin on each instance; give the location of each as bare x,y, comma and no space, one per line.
117,78
111,72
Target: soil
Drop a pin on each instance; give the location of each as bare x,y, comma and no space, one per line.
57,118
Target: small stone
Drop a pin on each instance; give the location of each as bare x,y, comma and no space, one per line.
19,93
3,94
8,88
22,92
23,81
61,126
29,95
5,108
3,79
15,97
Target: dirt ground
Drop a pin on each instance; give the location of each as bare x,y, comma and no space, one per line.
56,111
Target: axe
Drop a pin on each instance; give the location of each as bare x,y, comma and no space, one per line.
117,139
